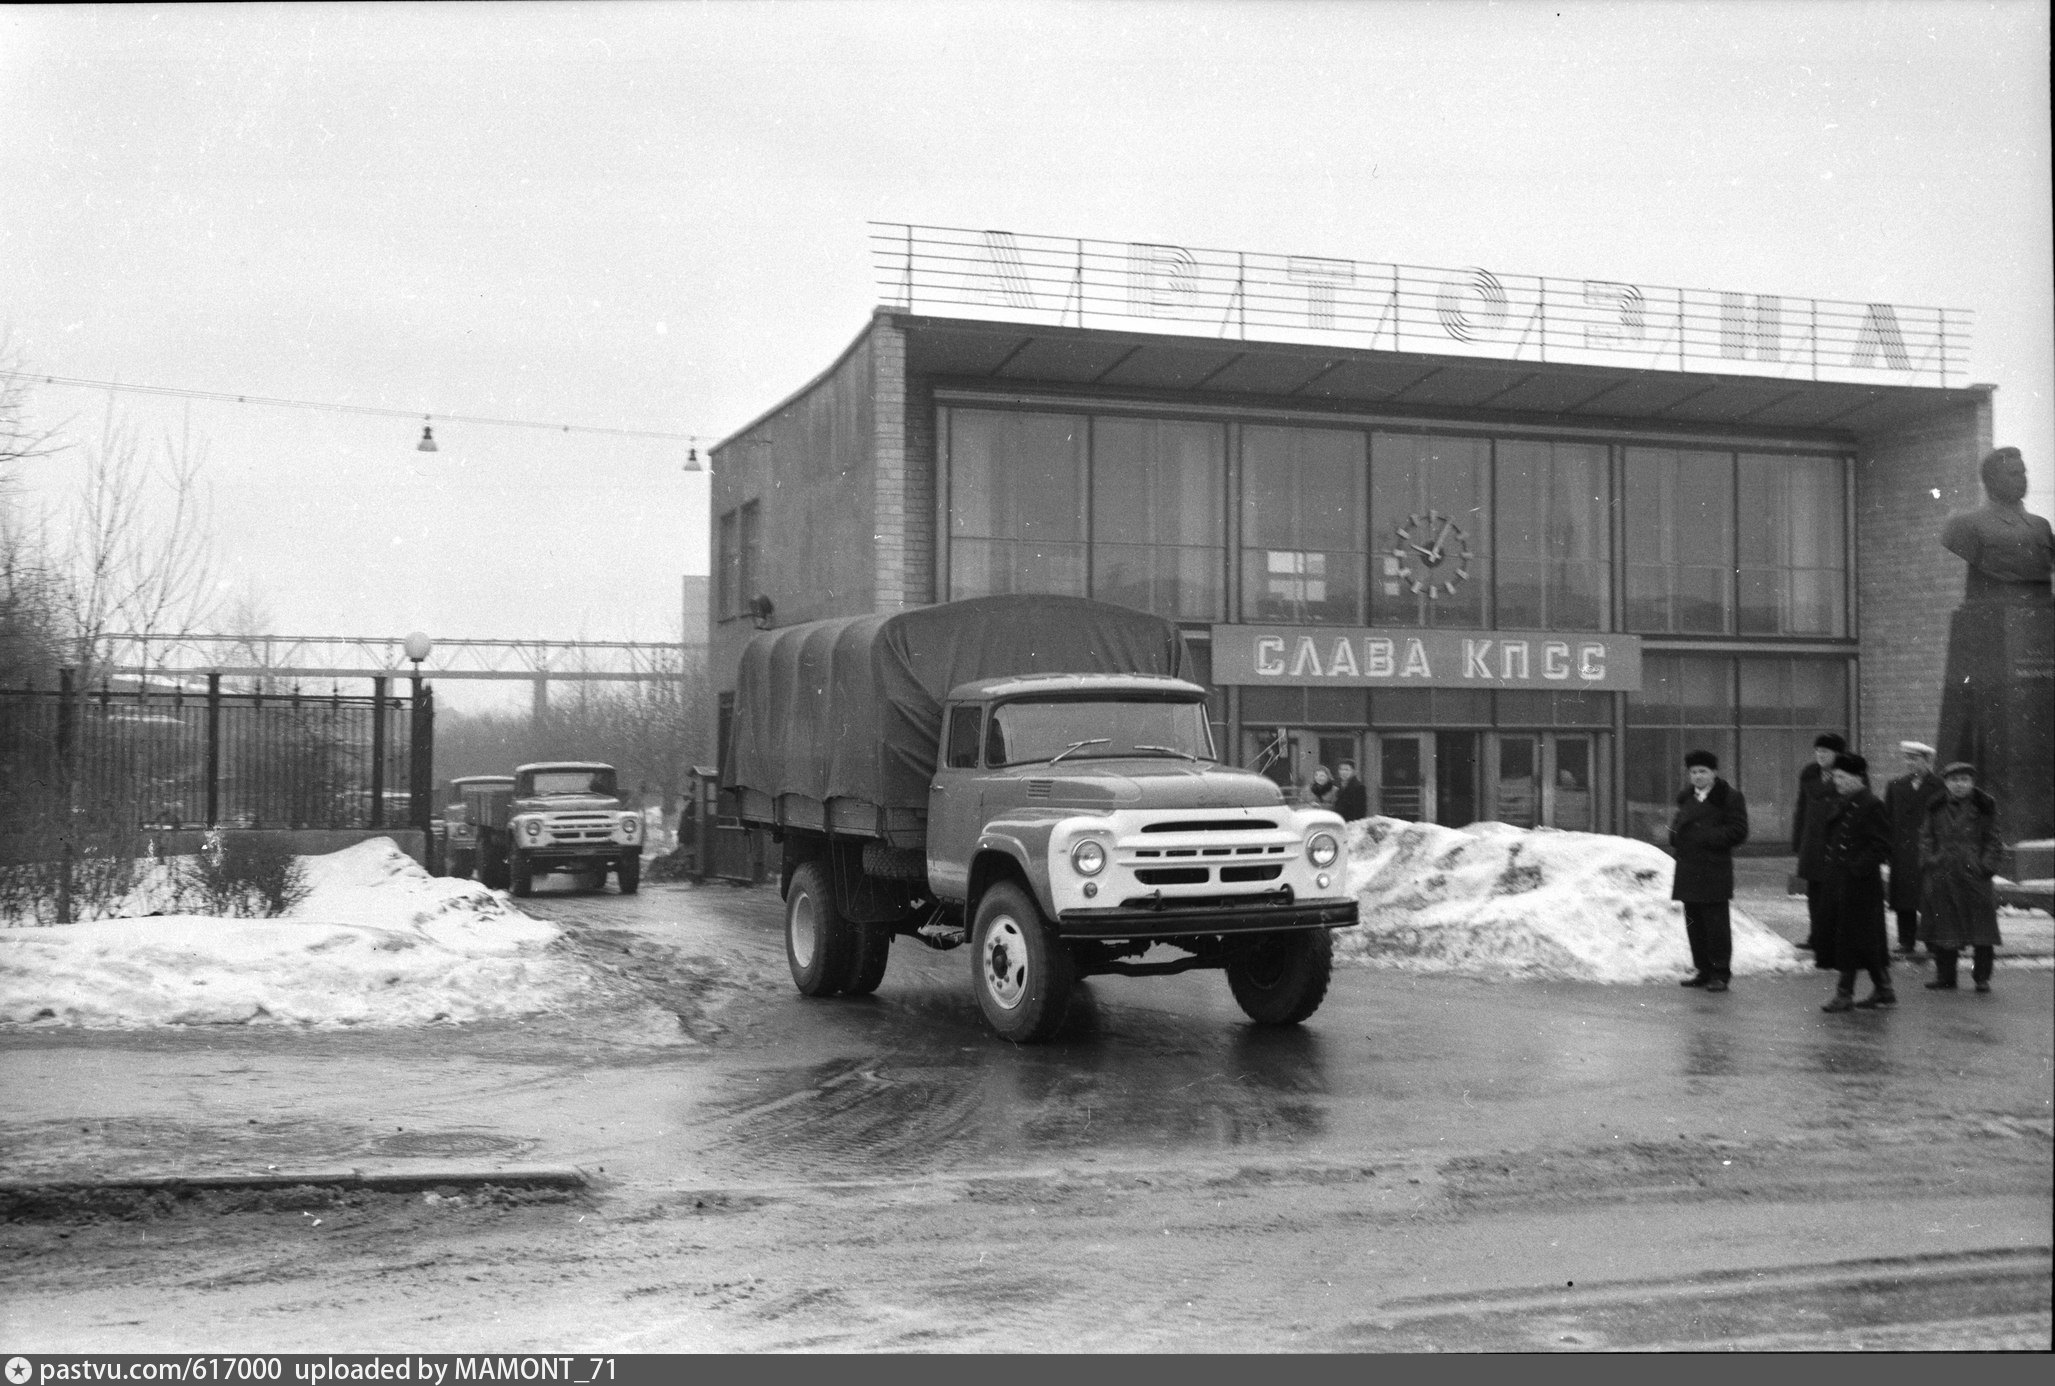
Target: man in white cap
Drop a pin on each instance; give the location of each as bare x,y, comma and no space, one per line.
1907,800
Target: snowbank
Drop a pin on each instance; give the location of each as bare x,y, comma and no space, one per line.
378,941
1496,900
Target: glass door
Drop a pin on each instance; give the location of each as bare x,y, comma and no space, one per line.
1572,799
1517,788
1405,775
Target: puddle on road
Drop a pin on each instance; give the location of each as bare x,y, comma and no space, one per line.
909,1113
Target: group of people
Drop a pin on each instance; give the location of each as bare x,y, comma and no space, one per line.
1937,834
1342,792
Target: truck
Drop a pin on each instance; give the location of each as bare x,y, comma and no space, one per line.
468,803
555,815
1035,778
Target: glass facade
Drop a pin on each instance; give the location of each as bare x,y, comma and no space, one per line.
1302,526
1274,524
1757,713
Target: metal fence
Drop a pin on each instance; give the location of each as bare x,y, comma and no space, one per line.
1251,295
205,758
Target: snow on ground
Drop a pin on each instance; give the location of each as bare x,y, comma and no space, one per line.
377,942
1495,900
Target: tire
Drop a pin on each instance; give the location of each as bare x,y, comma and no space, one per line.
1020,970
1283,978
462,864
520,874
819,943
867,965
628,871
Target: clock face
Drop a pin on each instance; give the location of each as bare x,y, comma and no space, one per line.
1432,555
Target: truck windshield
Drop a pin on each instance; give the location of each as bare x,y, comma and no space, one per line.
1043,729
569,782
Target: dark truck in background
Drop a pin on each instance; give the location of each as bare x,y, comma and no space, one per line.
1035,776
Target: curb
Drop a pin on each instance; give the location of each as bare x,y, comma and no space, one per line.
416,1180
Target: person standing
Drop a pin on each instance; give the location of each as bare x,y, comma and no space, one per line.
1857,844
1710,822
1351,797
1960,852
1907,799
1816,803
1322,789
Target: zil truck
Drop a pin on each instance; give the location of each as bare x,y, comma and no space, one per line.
558,815
1034,777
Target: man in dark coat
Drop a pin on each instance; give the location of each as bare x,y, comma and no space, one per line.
1816,803
1858,843
1351,799
1960,851
1710,822
1907,800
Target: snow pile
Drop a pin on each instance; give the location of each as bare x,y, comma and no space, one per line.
1496,900
378,941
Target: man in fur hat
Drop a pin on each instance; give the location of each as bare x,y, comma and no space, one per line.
1960,850
1858,843
1907,800
1816,801
1710,822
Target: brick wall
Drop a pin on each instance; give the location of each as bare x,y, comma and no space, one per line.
1906,583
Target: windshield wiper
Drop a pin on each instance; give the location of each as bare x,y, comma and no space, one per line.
1079,746
1167,750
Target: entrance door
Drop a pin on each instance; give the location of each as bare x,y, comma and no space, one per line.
1455,777
1405,774
1546,779
1572,801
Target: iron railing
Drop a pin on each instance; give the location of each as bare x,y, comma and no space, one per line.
205,758
1251,295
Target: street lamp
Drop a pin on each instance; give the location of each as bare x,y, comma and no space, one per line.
421,746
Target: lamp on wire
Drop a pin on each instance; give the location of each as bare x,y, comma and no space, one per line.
692,459
427,443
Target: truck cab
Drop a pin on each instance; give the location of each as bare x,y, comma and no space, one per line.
565,816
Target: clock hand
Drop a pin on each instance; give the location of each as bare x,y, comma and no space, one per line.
1440,539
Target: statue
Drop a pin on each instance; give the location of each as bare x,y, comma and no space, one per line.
2000,681
2009,551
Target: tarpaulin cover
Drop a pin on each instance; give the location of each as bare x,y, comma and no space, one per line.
852,708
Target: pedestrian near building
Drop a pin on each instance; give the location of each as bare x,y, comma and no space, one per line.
1710,822
1322,789
1816,804
1857,844
1907,799
1960,851
1351,798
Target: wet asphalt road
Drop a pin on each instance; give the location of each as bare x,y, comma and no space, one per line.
1428,1162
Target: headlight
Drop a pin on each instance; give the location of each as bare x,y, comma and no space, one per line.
1322,849
532,827
1088,858
631,825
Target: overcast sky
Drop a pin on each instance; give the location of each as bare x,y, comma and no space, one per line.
652,217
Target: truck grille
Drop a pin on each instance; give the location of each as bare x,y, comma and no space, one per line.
581,827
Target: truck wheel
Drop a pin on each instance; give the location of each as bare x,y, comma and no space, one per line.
1022,973
867,967
819,942
521,874
1283,978
462,864
628,871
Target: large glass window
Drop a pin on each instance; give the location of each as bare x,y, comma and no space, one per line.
1016,503
1793,560
1680,540
1686,703
1553,556
1785,703
1302,525
1415,478
1158,528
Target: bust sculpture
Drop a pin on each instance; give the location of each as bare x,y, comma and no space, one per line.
2008,550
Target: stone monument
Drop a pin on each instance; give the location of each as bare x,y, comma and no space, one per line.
1998,701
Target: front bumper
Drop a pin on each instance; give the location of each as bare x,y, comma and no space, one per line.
1173,920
